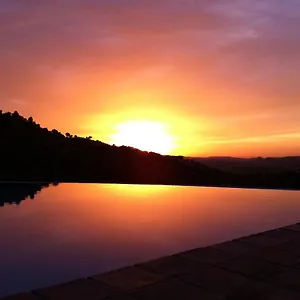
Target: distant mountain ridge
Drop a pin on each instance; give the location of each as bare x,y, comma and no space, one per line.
251,165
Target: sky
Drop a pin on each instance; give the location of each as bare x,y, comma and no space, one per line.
222,75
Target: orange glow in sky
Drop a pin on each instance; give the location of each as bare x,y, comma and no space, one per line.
202,78
144,135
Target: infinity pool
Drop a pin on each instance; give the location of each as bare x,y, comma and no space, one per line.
74,230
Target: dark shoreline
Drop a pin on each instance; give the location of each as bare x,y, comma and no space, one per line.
125,183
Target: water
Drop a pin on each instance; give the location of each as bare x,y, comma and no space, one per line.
77,230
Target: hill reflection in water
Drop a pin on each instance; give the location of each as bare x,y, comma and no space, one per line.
15,193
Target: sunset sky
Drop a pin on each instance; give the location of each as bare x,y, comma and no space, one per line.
222,76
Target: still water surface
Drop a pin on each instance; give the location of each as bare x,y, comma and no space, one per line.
78,230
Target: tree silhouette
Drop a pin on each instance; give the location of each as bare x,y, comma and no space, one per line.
16,114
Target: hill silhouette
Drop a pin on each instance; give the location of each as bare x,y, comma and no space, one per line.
31,153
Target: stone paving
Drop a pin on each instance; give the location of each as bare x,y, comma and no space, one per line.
264,266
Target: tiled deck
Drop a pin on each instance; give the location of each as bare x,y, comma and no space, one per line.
265,266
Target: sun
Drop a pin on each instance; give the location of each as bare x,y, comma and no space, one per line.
145,135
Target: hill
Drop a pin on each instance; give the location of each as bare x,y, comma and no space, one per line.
31,153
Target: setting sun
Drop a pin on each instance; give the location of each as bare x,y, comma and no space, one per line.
144,135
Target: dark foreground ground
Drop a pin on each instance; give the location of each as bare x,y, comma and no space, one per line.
264,266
